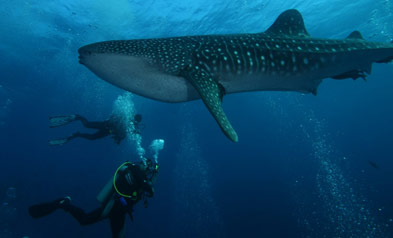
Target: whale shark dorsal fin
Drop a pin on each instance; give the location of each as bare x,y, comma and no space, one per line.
356,35
289,23
211,93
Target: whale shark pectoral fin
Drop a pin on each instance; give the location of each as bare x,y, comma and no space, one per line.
211,94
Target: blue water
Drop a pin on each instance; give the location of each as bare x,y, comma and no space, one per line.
300,168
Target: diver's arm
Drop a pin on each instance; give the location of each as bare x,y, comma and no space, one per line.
148,184
154,173
148,189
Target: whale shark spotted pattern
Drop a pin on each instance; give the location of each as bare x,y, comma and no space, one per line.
283,58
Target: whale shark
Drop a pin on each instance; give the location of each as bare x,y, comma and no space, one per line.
283,58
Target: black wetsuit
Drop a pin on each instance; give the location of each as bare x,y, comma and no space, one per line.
116,216
105,128
142,184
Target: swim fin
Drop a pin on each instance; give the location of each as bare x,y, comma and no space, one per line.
56,121
58,141
44,209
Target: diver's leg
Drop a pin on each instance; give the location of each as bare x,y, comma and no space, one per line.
91,124
62,141
117,219
98,135
46,208
118,225
82,217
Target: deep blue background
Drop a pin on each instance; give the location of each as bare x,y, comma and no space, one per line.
300,168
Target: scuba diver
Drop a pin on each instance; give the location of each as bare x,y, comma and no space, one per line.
131,183
114,126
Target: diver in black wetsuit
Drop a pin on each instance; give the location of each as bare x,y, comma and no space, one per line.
132,182
113,126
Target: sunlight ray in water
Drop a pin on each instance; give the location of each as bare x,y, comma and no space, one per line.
196,213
